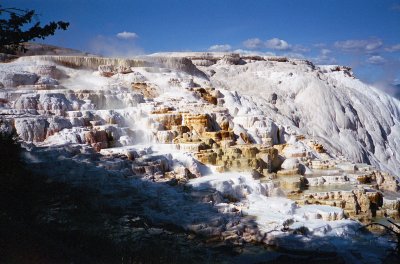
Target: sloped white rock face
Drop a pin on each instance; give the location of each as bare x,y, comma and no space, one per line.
52,102
267,98
14,79
350,118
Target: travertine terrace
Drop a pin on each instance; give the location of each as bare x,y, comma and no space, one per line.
278,139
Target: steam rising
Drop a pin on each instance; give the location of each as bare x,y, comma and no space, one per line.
127,35
123,45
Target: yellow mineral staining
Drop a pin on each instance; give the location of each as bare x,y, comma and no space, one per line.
162,110
168,120
198,122
210,95
317,147
146,89
240,158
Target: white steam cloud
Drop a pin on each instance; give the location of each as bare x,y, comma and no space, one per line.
127,35
113,46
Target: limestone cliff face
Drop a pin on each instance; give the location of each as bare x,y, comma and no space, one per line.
296,127
267,97
93,62
86,62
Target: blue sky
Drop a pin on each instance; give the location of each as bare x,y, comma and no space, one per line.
363,34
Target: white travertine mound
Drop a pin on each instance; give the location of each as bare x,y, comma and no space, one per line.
348,116
239,148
